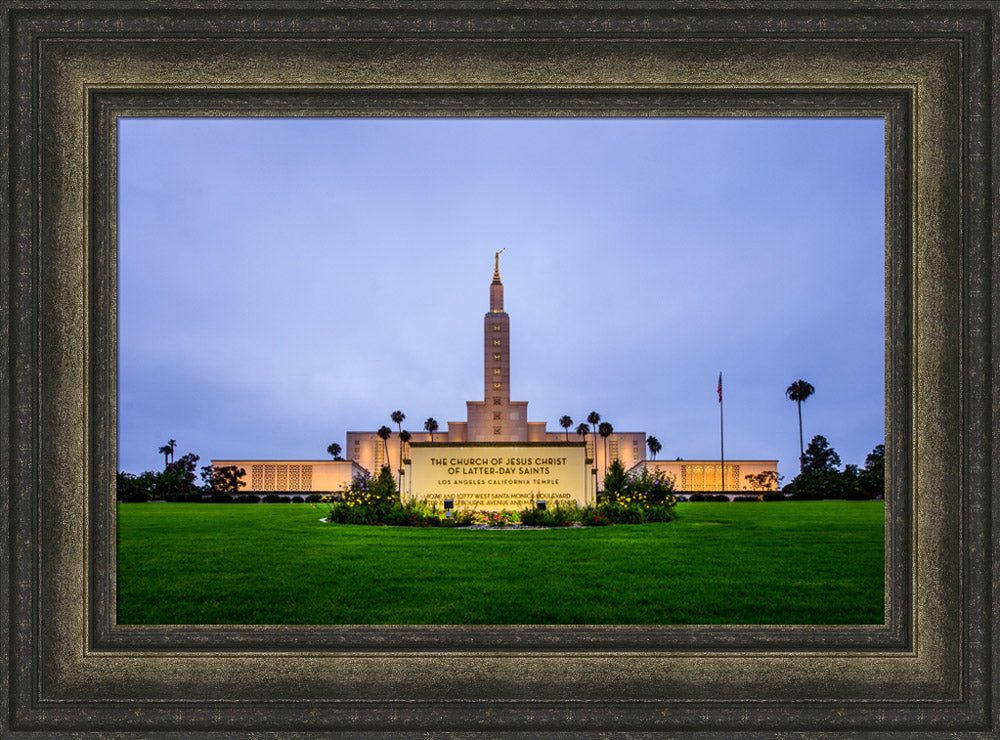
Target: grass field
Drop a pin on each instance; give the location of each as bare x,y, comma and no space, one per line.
719,563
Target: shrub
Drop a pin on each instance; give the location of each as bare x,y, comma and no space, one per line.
463,518
250,498
420,509
344,513
615,481
595,519
313,498
221,497
708,497
397,518
647,496
651,487
422,514
297,500
660,513
503,518
748,498
774,496
272,498
557,516
374,499
364,491
617,513
533,517
856,495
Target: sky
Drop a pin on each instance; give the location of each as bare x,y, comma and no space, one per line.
285,281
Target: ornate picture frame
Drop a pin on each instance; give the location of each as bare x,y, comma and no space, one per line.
71,69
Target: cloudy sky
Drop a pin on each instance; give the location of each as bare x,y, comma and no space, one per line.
284,281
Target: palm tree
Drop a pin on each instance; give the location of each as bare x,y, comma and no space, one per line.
799,391
654,446
592,418
431,426
605,430
566,422
384,433
168,451
404,437
334,449
582,430
398,416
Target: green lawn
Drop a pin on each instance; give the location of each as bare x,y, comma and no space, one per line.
718,563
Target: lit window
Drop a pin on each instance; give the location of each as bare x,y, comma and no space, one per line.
496,327
496,342
496,386
496,356
496,371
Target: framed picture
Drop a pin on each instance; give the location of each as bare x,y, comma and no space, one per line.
287,281
74,70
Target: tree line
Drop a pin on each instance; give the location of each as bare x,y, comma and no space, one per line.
178,481
819,464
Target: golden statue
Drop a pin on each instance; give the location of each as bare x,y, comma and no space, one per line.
496,264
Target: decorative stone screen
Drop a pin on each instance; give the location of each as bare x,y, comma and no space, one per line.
279,477
700,477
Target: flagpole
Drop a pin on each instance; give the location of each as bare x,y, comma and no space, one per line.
722,440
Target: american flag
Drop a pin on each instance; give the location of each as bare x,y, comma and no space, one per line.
719,389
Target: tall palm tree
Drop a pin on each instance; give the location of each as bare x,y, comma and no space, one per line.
334,449
168,451
605,430
431,426
398,416
654,446
583,430
404,437
566,422
384,433
799,391
592,418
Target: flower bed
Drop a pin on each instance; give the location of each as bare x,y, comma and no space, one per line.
643,499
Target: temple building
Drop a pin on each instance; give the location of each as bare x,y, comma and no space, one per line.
495,419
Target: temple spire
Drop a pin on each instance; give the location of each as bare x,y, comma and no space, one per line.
496,289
